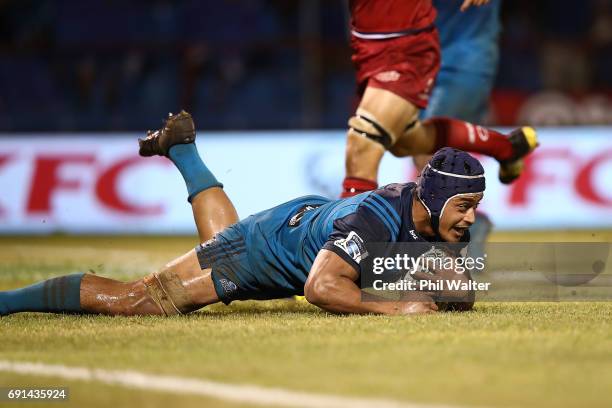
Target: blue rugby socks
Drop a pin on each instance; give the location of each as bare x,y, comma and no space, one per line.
197,176
62,294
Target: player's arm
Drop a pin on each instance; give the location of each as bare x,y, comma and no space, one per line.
331,286
468,3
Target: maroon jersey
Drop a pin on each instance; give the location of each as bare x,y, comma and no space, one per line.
387,16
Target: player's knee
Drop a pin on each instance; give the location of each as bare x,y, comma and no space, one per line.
166,290
415,139
367,126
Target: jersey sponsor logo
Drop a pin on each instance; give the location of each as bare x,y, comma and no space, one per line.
387,76
295,220
353,246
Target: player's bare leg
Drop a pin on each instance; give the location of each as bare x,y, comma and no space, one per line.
212,209
380,119
183,281
213,212
179,287
386,121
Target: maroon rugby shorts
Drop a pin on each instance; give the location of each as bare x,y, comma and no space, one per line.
406,66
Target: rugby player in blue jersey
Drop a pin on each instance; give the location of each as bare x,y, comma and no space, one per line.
311,245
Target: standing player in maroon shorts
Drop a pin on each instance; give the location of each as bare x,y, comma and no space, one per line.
396,53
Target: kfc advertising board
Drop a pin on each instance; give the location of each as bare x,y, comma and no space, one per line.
88,183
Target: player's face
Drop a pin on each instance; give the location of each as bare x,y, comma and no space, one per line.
459,214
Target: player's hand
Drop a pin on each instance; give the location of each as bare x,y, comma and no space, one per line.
469,3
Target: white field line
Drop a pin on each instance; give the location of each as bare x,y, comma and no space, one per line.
250,394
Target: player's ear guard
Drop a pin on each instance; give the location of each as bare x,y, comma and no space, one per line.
365,124
449,173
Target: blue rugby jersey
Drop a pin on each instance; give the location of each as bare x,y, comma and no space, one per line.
284,241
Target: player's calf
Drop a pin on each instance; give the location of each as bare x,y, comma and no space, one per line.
363,156
101,295
81,293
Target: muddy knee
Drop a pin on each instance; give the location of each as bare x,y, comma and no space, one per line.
166,289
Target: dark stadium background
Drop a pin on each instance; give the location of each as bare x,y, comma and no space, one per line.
118,65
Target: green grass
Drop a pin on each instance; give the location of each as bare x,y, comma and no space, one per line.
501,354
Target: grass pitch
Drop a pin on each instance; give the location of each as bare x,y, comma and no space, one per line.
501,354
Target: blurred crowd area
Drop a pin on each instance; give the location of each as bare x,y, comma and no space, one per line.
68,65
